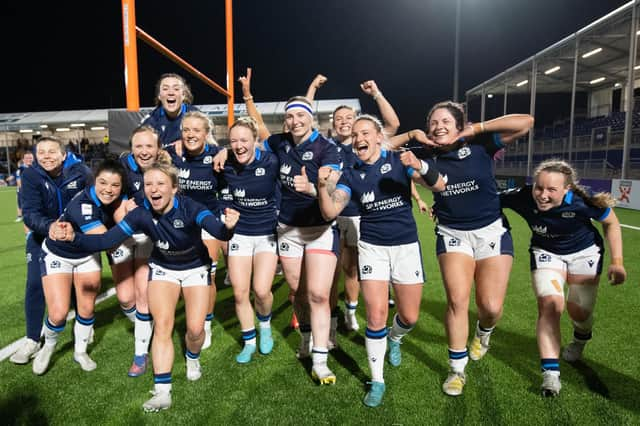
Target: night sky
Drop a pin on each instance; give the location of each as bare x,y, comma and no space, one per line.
68,55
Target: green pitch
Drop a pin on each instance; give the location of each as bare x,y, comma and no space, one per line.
502,389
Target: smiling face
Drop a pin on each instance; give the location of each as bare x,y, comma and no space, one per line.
194,134
159,190
549,190
242,144
108,186
299,122
367,140
171,95
145,147
50,156
27,159
443,128
343,119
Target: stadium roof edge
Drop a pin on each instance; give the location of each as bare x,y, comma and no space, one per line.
557,44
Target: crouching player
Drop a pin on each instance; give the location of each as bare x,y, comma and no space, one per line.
565,249
179,262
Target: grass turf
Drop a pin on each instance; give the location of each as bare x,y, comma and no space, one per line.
503,388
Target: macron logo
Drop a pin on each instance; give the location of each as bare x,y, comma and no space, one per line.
367,197
184,173
238,192
285,169
538,229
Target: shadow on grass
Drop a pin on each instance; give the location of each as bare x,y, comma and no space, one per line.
22,408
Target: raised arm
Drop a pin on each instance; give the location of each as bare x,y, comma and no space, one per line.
404,138
612,232
510,127
317,83
245,82
332,199
388,114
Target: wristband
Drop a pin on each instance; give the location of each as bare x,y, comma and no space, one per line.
247,98
616,261
430,175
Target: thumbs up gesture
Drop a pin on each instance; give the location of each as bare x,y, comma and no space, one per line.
302,184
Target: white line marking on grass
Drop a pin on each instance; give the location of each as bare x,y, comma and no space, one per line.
8,350
630,227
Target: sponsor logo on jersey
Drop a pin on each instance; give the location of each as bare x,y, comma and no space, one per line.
367,197
184,173
177,223
163,127
137,185
86,209
239,192
285,169
445,178
386,168
464,152
363,175
73,184
308,155
163,245
207,160
287,148
568,215
260,171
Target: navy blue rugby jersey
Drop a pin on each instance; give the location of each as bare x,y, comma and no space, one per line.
470,199
175,234
85,212
562,230
348,159
168,128
383,191
196,178
252,190
298,209
135,178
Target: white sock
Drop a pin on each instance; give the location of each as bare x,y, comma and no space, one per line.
398,329
319,355
458,359
162,387
376,349
130,313
81,332
51,332
142,333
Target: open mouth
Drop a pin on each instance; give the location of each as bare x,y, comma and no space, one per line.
362,148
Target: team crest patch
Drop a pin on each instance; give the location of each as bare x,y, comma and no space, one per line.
177,223
260,171
55,264
234,247
207,160
86,209
386,168
308,155
367,269
464,152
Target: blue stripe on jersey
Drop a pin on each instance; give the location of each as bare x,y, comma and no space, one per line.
126,228
202,215
89,226
344,188
497,140
568,198
132,163
94,196
604,215
335,167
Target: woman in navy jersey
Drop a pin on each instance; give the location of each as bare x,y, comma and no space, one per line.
64,267
47,187
197,179
173,101
250,178
565,249
472,242
129,261
179,263
388,249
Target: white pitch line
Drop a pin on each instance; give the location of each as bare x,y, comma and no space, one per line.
630,227
8,350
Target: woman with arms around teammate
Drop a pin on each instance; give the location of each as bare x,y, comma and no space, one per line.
388,250
179,263
565,249
472,243
65,267
250,178
47,187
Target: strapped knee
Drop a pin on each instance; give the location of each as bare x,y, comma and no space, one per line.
547,282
